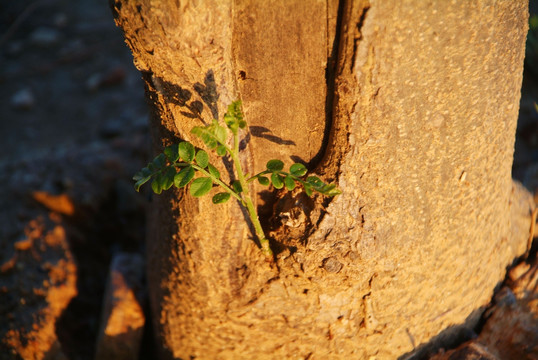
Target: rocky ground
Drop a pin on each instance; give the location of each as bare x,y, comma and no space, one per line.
73,130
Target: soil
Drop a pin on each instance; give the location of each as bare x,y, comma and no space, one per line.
73,131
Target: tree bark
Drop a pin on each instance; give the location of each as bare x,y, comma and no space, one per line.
410,106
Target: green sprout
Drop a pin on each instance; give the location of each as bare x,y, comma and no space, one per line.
179,163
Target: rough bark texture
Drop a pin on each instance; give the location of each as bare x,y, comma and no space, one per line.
417,104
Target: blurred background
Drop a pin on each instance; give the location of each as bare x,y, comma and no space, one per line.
73,130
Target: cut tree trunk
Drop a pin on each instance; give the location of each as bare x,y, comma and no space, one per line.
410,107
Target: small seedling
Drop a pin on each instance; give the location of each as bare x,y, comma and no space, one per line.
179,163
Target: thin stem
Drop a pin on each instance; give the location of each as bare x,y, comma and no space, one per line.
220,183
181,164
254,177
253,214
264,242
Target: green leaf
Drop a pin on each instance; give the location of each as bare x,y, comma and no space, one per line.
219,131
142,177
221,198
330,190
221,150
202,159
183,177
159,161
533,22
208,139
234,109
141,182
234,117
277,181
171,152
212,135
315,182
333,192
144,173
201,186
263,180
168,178
213,171
289,182
152,167
236,185
298,169
186,151
156,185
275,165
231,122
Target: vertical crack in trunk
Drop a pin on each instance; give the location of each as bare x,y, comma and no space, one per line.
358,36
342,86
330,79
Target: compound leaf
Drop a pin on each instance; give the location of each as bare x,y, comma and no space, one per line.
201,186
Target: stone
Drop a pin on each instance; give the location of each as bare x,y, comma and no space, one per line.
58,203
113,77
45,37
37,281
23,99
122,321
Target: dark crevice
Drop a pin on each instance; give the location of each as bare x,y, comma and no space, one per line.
330,80
358,36
349,23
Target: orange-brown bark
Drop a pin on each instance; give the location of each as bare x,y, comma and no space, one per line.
417,107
